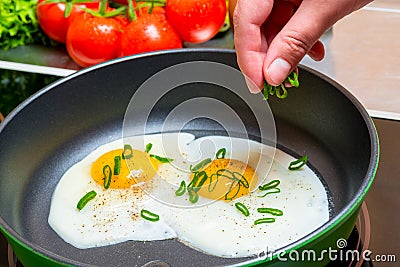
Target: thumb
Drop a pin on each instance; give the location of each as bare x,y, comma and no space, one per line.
297,38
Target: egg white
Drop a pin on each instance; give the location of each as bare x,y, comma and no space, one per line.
214,227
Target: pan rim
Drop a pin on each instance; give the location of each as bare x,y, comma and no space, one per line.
333,222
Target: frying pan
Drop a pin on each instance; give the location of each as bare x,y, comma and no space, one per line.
62,123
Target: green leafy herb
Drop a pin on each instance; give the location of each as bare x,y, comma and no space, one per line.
200,165
148,215
272,211
264,220
280,91
85,199
148,147
198,176
221,153
297,164
19,25
242,208
161,159
107,176
128,152
272,184
117,165
181,190
193,196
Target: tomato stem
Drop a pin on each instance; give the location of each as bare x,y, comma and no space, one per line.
102,7
131,11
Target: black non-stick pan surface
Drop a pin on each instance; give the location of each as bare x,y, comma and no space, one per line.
64,122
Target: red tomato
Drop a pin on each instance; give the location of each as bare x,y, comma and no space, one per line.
146,7
196,20
51,17
149,32
92,40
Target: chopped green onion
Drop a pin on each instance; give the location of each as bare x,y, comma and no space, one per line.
242,208
272,211
264,220
228,195
85,199
193,196
148,215
297,164
284,92
274,190
242,179
220,153
117,165
293,79
148,147
200,165
280,90
128,152
107,177
272,184
193,185
161,159
265,90
181,190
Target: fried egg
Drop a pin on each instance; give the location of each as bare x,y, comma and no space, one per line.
145,183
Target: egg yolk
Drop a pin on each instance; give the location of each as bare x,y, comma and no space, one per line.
139,168
227,179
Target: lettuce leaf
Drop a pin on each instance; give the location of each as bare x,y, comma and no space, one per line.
19,24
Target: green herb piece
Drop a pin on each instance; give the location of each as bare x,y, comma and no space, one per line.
117,165
161,159
85,199
264,220
293,79
297,164
274,190
107,176
193,196
242,208
280,91
181,190
272,184
148,215
148,147
198,176
220,153
128,152
272,211
200,165
231,194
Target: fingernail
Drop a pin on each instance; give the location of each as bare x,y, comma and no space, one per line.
253,88
279,70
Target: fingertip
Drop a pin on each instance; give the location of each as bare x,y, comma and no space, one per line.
251,85
317,51
277,71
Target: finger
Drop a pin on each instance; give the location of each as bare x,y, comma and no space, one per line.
250,44
295,40
317,52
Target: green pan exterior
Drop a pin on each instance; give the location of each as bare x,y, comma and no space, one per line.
343,229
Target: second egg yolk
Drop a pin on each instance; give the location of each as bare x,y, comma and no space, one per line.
227,179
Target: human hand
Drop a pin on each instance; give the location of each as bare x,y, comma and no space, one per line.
272,36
